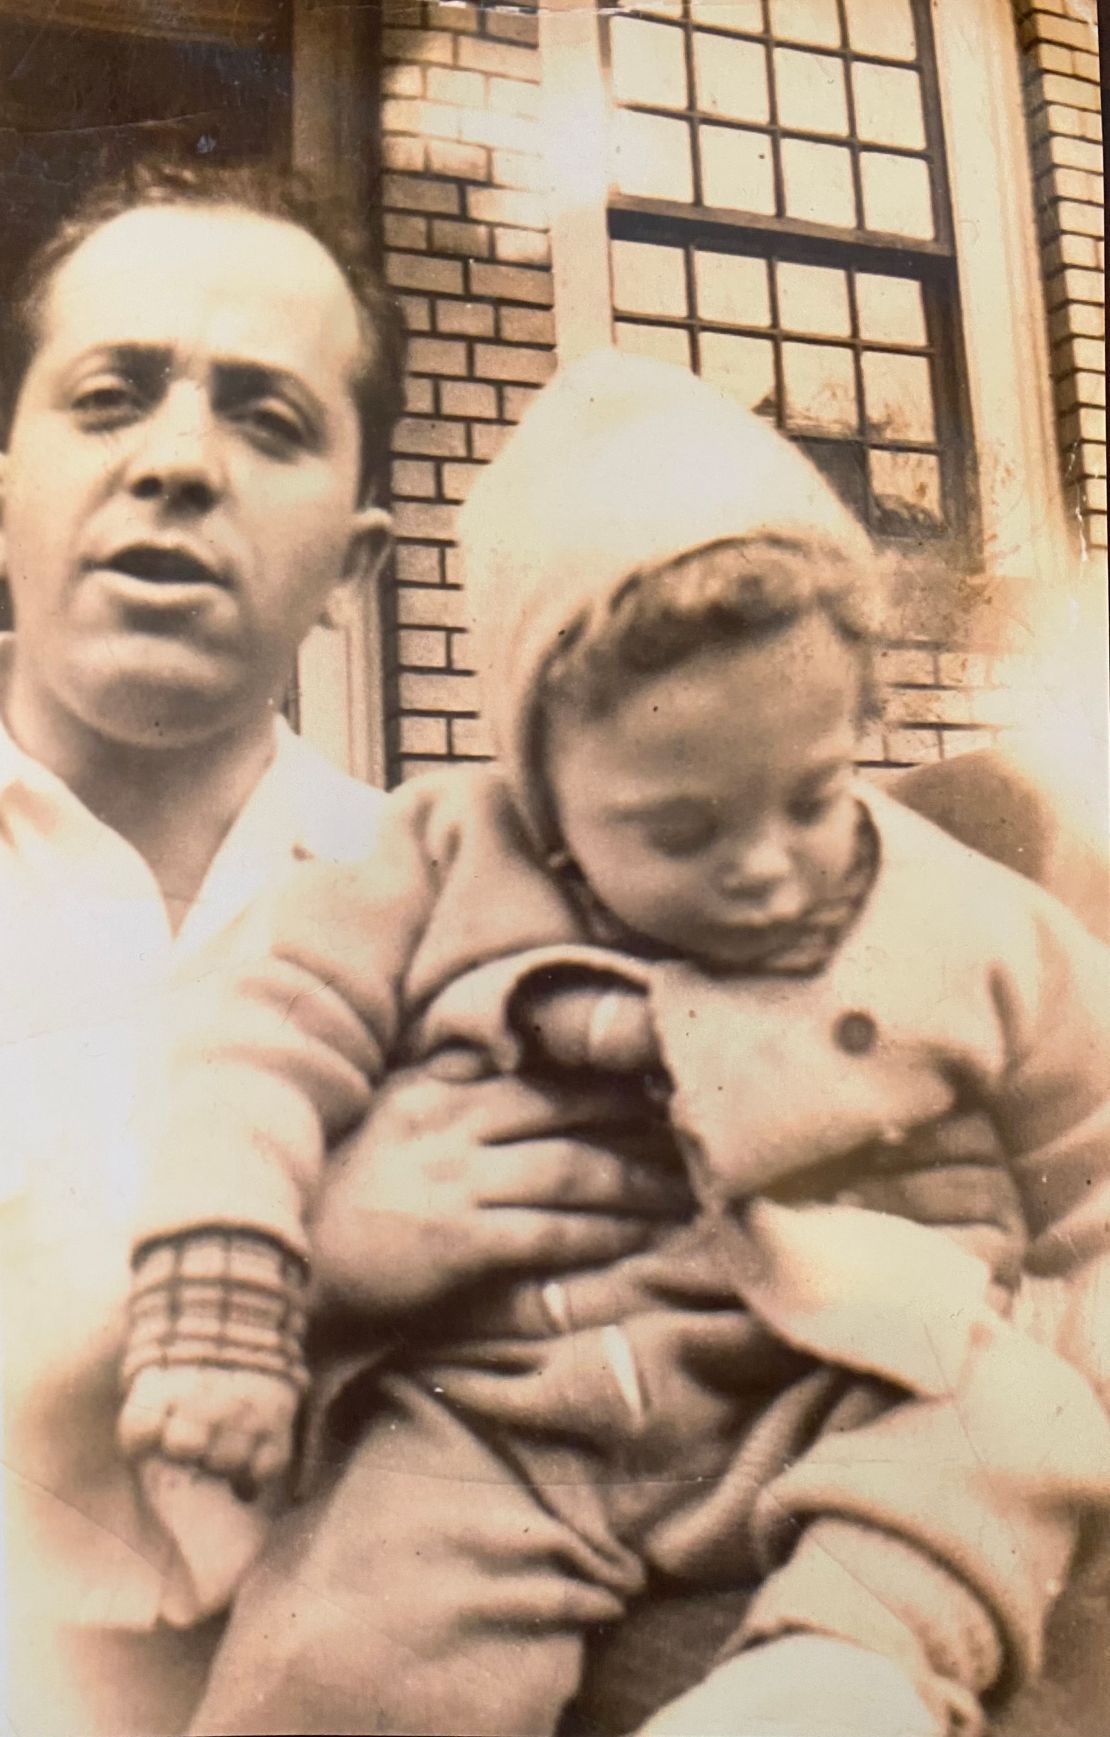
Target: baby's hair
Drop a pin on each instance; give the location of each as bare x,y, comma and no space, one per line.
728,592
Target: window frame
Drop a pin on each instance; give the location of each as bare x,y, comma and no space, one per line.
1021,537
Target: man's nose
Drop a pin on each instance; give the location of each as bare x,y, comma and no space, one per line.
177,457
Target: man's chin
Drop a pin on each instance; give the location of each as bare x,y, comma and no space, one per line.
167,697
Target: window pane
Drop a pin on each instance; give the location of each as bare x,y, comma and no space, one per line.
896,195
648,279
744,367
732,289
742,15
663,343
820,386
652,156
814,298
649,63
906,486
842,462
806,21
882,27
810,90
899,396
731,78
736,169
818,183
888,105
890,309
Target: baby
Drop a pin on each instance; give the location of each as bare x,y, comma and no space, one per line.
671,874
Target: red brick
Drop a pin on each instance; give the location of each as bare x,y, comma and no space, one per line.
515,401
512,26
510,132
405,115
404,154
964,669
1080,219
418,566
513,362
437,693
487,439
430,606
1070,183
1081,388
419,397
416,272
506,205
1093,494
470,738
501,58
907,664
1071,32
526,325
521,170
915,706
1078,353
1074,92
468,398
452,567
458,479
1068,154
1091,458
403,81
453,16
468,240
423,735
1084,424
404,231
434,47
416,768
419,193
514,284
1076,286
1051,57
508,96
1071,250
911,747
470,319
423,646
419,519
465,89
413,477
522,246
1086,66
418,313
430,438
461,653
467,162
438,356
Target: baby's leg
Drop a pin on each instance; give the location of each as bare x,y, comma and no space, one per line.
428,1590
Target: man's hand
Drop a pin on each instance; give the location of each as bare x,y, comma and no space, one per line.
805,1685
451,1181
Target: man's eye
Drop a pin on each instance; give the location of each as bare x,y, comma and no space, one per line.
274,427
808,810
106,401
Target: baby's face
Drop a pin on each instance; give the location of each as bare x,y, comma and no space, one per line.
714,803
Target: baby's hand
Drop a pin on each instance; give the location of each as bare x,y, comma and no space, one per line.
234,1423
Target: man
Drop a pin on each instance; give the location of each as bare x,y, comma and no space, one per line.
205,380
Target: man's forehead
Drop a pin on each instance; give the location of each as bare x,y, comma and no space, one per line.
244,283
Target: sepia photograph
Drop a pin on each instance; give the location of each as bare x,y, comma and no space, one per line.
554,869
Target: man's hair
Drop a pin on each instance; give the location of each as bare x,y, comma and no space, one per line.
738,590
287,196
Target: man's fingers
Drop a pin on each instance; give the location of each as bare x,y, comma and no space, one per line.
563,1173
558,1241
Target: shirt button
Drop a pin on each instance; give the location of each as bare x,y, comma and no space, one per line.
856,1033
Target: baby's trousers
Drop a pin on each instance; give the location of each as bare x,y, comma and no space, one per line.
445,1577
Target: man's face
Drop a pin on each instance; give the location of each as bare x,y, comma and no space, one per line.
182,473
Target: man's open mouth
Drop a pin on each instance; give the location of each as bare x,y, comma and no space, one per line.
159,564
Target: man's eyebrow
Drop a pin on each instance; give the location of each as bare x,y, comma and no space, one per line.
661,807
258,378
131,358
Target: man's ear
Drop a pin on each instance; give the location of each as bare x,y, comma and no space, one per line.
371,540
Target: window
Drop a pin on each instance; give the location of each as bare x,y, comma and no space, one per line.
779,220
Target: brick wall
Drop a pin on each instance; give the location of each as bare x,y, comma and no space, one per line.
1059,40
467,249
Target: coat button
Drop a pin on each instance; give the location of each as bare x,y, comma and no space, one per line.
856,1033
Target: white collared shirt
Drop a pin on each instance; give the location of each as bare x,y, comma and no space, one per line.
86,957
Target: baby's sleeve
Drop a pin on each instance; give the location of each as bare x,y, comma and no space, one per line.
276,1039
